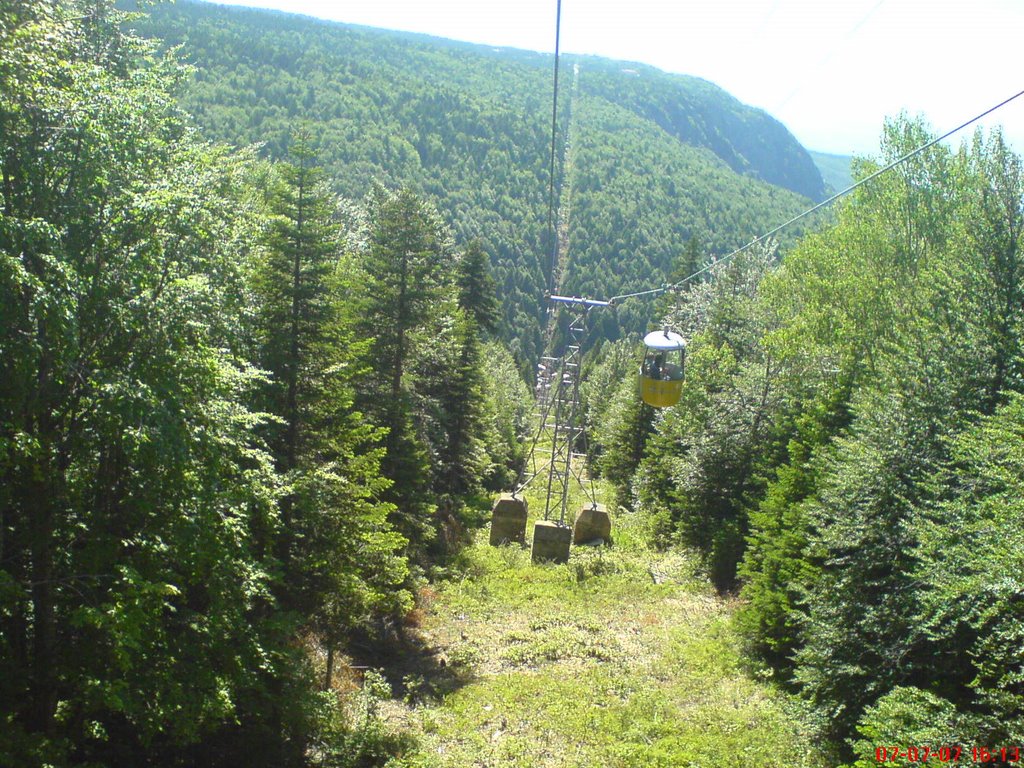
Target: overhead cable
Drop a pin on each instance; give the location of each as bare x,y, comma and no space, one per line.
551,172
818,207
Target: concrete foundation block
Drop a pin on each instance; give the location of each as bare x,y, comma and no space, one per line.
551,542
592,523
508,520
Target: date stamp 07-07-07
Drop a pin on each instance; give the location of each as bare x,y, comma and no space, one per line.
954,754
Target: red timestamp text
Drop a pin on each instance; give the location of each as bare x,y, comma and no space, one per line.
948,754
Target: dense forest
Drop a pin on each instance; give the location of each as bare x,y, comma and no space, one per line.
646,161
846,454
257,389
238,418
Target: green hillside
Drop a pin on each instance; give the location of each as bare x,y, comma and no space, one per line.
250,432
655,158
835,169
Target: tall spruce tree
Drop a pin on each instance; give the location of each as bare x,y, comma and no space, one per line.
476,287
425,305
462,392
336,547
407,268
302,246
407,265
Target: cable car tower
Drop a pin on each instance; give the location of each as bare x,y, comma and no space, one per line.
560,415
561,425
660,378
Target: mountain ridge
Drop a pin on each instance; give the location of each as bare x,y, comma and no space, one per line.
836,170
808,185
469,126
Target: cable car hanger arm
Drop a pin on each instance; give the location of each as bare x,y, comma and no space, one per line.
579,301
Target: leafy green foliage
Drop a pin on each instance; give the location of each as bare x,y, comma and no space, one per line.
186,486
336,549
702,465
905,718
619,423
134,492
864,629
969,563
838,437
861,628
423,302
777,567
506,416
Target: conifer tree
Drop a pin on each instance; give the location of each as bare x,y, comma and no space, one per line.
335,544
477,289
295,306
462,390
627,423
406,263
969,563
461,396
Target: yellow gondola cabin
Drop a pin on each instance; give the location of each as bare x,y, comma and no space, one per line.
661,375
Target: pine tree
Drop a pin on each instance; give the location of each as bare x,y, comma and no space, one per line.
462,390
302,246
406,262
623,434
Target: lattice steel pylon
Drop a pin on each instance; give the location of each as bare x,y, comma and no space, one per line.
560,416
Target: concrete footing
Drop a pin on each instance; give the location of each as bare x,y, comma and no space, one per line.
592,523
551,542
508,520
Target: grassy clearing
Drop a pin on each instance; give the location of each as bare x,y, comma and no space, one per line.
622,657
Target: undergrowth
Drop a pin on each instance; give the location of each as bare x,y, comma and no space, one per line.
622,657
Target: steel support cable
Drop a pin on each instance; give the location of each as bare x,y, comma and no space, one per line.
553,239
819,206
554,141
552,265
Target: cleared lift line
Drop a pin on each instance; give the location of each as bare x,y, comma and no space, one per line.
567,426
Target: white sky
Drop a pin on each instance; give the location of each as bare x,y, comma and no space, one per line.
830,70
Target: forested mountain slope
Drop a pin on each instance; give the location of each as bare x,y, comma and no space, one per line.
653,159
246,427
836,170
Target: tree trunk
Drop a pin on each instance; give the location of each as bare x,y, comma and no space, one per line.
329,677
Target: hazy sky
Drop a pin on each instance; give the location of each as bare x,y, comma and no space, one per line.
831,70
